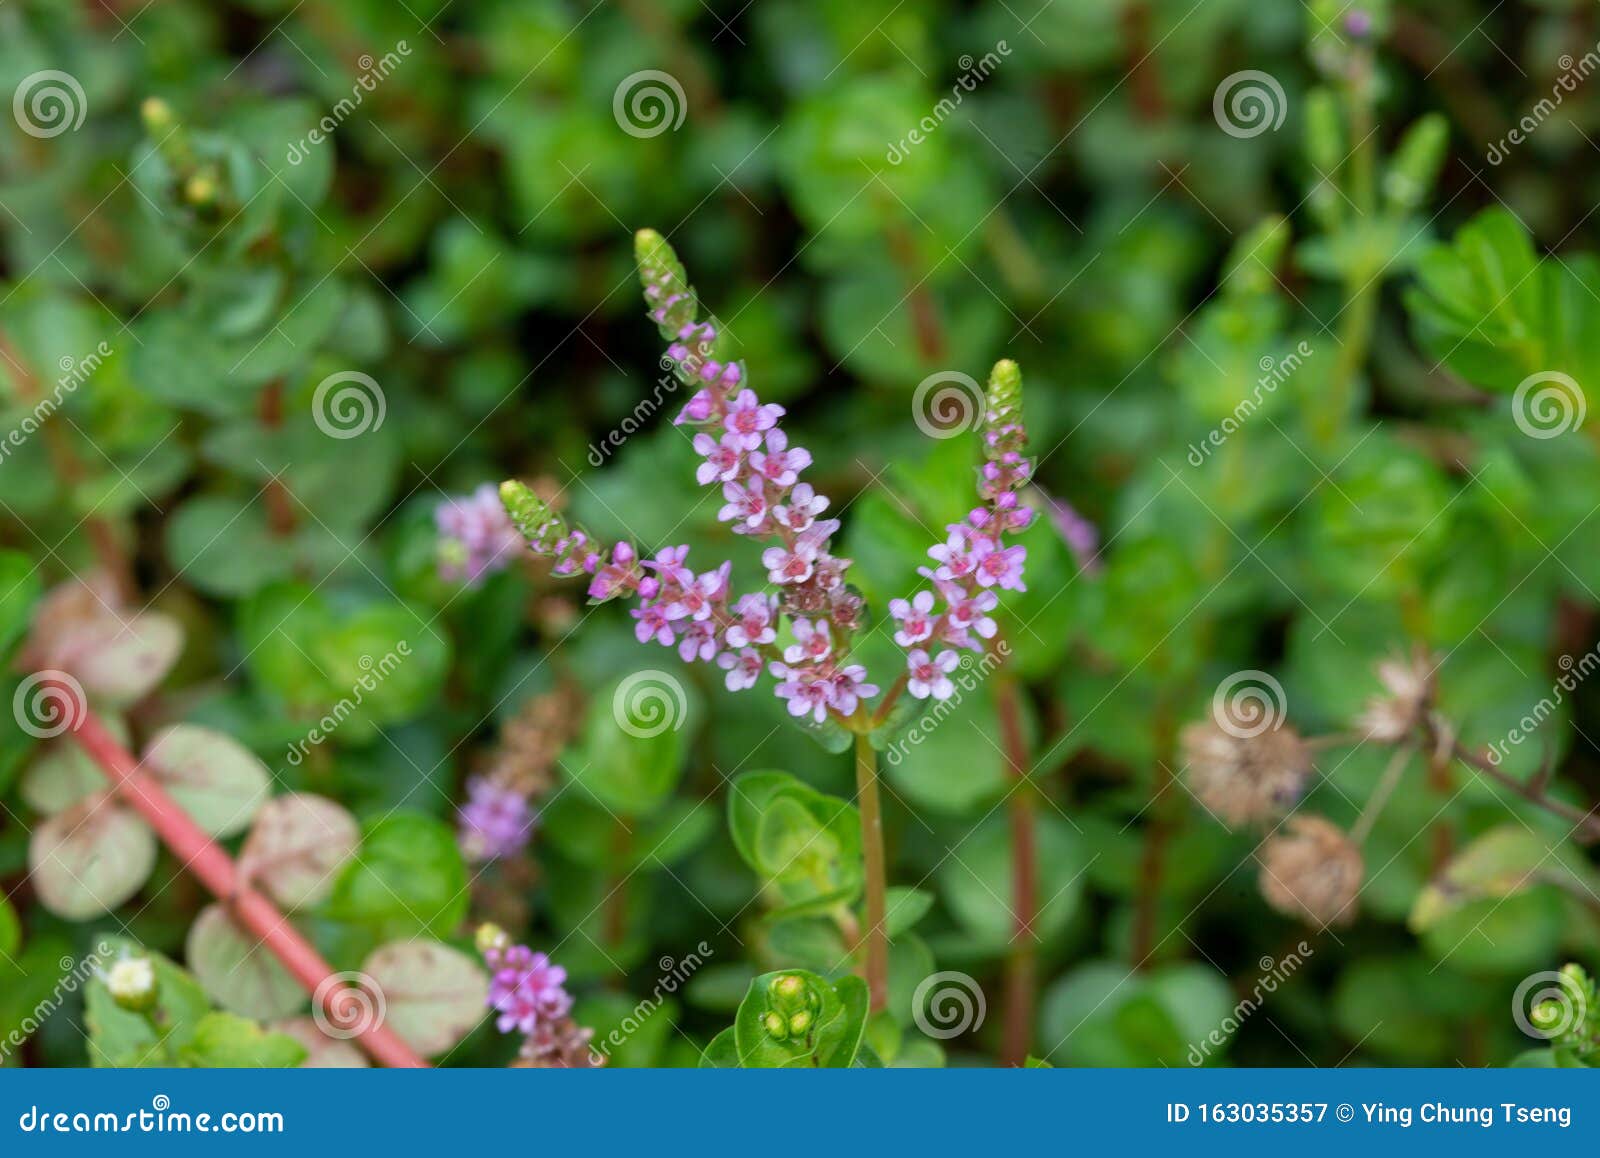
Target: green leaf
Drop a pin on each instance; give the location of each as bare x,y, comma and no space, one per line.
296,846
90,858
976,880
433,995
227,1041
631,752
10,930
237,969
20,589
407,878
219,782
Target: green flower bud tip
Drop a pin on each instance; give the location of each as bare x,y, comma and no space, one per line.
775,1026
789,986
799,1023
491,936
1005,391
647,247
527,510
157,116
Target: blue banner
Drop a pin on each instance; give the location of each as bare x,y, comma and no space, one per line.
666,1112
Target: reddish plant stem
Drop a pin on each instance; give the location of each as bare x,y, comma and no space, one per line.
215,869
280,503
1022,968
924,310
1152,865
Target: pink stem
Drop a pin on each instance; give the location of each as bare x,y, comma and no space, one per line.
216,870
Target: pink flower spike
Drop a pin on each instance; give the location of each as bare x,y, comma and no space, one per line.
930,677
916,618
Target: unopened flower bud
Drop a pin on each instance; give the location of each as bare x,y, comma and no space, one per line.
200,190
157,116
491,937
132,983
800,1022
775,1025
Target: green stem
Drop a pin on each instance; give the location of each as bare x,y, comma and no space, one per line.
877,934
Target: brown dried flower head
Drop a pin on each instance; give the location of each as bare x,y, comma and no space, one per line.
1396,713
1245,779
1312,871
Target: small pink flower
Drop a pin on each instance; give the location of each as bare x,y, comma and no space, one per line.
744,669
930,677
698,642
955,556
723,460
1002,566
968,613
653,625
697,599
746,419
802,509
807,692
779,464
746,507
697,409
811,642
668,565
848,687
753,622
916,618
617,577
786,566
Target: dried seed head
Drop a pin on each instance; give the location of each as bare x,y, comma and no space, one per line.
1312,871
1407,698
1245,779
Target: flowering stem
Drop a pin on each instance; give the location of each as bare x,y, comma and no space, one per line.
1380,795
1022,960
1586,821
1152,864
217,871
876,881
